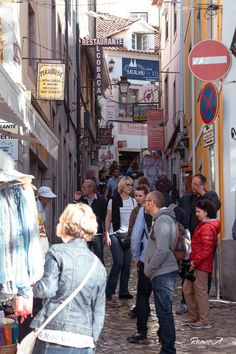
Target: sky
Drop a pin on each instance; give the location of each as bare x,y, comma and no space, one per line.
123,8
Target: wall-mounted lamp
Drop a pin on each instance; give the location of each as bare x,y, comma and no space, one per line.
111,64
124,85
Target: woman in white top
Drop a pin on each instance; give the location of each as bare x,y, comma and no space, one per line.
117,220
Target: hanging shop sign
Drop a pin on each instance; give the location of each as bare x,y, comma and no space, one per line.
98,43
105,136
155,130
50,81
139,69
140,111
9,144
99,71
104,42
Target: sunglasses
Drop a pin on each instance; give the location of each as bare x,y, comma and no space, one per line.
129,184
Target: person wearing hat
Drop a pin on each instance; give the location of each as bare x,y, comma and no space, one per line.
44,195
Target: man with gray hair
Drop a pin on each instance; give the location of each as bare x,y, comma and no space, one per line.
99,206
160,265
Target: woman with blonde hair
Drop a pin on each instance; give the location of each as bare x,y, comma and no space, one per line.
76,328
117,222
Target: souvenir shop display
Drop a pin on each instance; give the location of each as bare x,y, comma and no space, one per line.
21,256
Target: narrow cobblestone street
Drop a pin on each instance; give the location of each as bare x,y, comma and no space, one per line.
221,338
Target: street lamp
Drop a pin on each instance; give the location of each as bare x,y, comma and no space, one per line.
123,86
111,65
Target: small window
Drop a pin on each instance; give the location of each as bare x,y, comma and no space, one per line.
134,41
145,42
139,16
139,41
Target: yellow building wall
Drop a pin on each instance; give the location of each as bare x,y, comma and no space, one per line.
202,31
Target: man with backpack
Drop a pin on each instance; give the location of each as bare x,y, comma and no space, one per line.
160,265
164,185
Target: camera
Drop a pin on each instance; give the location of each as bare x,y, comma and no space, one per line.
184,271
190,275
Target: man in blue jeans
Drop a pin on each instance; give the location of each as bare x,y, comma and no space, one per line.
160,265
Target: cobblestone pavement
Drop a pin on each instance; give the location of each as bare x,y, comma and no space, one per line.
221,338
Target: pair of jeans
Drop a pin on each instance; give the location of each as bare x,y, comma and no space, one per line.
42,347
163,289
121,267
96,246
144,290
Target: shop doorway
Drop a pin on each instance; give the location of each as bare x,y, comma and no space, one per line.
126,157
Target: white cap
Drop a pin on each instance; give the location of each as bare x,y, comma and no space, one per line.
45,192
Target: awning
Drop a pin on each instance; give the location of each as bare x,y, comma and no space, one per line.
17,109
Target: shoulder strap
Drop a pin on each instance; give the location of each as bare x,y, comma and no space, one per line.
65,302
172,206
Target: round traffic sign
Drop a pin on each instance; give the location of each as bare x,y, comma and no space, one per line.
208,103
209,60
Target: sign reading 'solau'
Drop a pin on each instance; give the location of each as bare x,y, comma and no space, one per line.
50,81
139,69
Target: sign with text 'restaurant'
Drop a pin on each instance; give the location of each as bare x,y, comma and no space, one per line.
154,130
103,42
98,43
50,81
139,69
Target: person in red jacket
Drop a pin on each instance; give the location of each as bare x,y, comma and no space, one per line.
203,245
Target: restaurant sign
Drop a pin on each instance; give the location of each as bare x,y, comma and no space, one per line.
51,81
139,69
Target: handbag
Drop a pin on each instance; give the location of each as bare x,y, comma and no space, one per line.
26,346
124,238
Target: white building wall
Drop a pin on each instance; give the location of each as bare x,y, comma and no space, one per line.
170,66
11,34
229,109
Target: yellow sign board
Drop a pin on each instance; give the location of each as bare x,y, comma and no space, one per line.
51,81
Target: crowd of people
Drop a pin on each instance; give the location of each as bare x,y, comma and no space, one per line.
119,211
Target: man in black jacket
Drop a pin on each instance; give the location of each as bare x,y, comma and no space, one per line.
99,206
188,202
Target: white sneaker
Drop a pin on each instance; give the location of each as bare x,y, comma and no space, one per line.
181,309
200,325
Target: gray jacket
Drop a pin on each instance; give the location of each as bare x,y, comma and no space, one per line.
65,267
159,258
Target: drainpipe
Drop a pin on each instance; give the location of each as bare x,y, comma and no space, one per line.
78,95
192,95
181,35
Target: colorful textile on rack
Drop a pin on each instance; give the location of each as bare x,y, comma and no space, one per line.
21,261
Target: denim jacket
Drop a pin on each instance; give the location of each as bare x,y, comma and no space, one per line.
65,267
139,235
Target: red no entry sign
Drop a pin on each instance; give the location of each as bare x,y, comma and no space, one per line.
208,103
209,60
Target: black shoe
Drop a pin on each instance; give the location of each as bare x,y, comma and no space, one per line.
138,339
126,296
108,297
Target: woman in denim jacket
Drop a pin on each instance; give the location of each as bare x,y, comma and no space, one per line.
77,326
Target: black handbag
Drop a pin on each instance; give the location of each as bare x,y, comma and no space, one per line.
124,238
